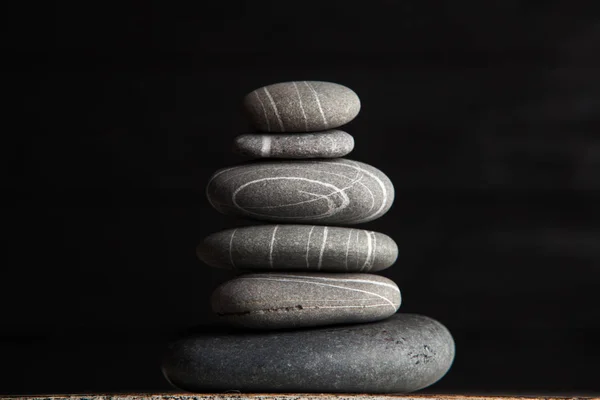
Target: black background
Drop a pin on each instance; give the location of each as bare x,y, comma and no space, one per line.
483,114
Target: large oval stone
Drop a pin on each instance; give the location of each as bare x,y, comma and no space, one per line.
337,192
299,248
404,353
293,300
328,144
304,106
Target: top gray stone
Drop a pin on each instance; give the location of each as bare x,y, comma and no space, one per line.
304,106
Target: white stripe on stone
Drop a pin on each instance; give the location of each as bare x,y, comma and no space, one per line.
327,285
262,105
274,109
231,248
369,250
265,148
330,211
308,246
374,250
302,107
348,248
318,103
322,248
271,246
322,278
384,192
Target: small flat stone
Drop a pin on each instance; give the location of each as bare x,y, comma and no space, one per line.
303,106
327,144
294,300
401,354
299,248
336,192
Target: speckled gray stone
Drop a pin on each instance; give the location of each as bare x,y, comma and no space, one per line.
327,144
401,354
336,192
304,106
237,395
293,300
298,248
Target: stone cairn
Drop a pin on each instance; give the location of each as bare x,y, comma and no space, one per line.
307,313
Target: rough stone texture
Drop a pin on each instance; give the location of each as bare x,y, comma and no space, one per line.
401,354
299,248
327,144
337,192
304,106
293,300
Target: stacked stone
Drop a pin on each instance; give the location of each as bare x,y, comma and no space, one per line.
314,316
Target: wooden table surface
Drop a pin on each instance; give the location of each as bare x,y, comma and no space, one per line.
283,396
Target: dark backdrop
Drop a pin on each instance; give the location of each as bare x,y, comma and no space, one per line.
483,114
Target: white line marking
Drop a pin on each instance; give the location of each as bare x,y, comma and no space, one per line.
275,109
231,247
354,181
308,245
348,248
271,246
365,306
327,285
286,165
329,212
322,248
333,300
369,250
356,248
301,107
262,105
265,148
374,250
322,278
379,181
318,103
317,196
212,203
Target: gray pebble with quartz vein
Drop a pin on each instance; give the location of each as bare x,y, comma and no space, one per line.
294,300
336,192
327,144
298,248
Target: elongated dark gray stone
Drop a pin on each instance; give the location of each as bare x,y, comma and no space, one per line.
299,248
404,353
303,106
336,192
293,300
328,144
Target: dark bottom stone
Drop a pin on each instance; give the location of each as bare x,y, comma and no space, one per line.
403,353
